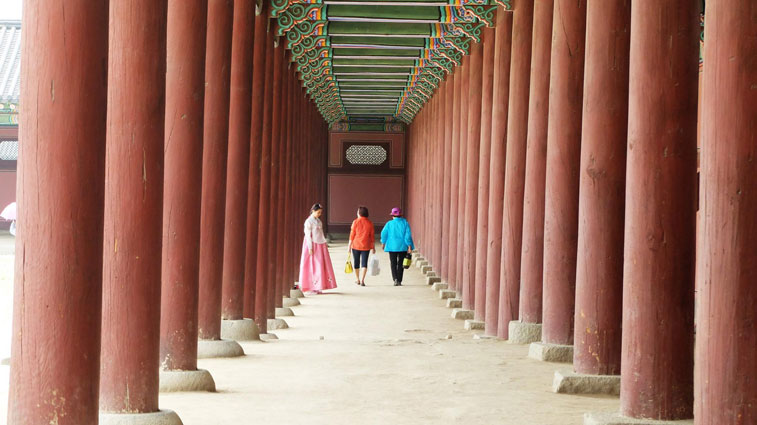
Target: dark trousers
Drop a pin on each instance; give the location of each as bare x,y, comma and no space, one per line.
360,259
396,258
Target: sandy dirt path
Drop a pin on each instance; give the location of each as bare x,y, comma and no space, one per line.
385,358
389,355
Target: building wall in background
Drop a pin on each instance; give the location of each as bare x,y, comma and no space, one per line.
365,168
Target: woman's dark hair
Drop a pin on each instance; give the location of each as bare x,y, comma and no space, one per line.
315,208
363,211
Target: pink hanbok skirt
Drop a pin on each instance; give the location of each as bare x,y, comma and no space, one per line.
316,271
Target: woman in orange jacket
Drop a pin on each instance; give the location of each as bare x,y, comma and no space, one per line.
362,242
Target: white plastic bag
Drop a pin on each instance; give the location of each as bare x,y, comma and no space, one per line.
373,265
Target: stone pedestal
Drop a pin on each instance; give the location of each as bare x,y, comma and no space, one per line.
425,269
551,352
186,380
438,286
484,337
431,280
474,325
290,302
284,312
239,330
216,348
524,333
616,419
296,293
462,314
570,382
268,337
161,417
454,302
274,324
447,294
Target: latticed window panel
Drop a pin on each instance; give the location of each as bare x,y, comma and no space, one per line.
366,155
9,150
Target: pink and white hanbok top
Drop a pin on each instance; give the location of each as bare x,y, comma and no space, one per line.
314,232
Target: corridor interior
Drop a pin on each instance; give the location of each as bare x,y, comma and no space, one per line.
367,355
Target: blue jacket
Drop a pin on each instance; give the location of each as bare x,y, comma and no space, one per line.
397,236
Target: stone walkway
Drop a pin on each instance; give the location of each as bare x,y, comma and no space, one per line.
381,355
374,355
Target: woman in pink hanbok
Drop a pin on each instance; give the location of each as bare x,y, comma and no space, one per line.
316,271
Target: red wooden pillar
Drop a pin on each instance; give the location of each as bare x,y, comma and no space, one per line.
500,98
658,270
532,243
463,158
452,251
133,200
481,234
185,85
286,256
218,66
262,284
237,176
446,122
429,211
563,163
515,166
437,142
260,41
283,262
439,171
420,142
726,343
58,277
274,289
599,272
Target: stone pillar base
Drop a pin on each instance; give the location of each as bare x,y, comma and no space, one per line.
239,330
461,314
274,324
454,302
161,417
438,286
551,352
425,269
268,337
421,263
616,419
284,312
484,336
569,382
216,348
523,333
446,294
290,302
433,280
5,362
474,325
295,293
172,381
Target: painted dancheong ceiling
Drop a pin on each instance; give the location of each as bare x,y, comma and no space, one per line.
378,59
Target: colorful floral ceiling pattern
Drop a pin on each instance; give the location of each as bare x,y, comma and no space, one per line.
361,58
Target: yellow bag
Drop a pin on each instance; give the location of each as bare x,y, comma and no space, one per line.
348,267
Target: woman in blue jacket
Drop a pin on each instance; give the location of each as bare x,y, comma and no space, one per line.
397,240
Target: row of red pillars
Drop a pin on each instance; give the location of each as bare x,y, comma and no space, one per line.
554,181
167,149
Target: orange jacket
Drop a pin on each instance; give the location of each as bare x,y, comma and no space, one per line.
362,234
